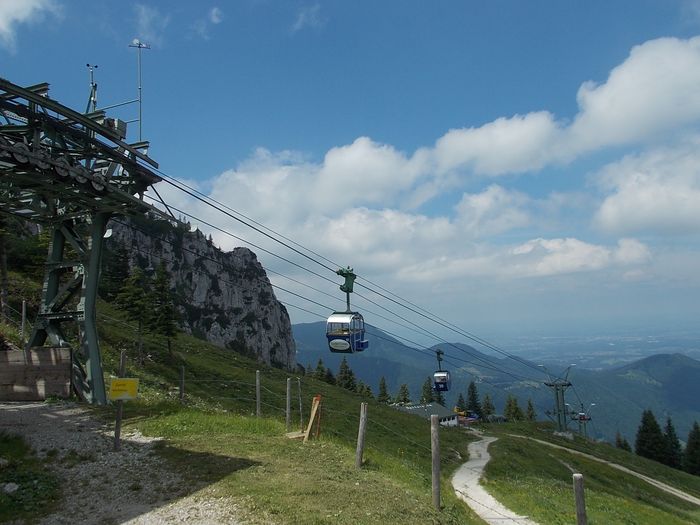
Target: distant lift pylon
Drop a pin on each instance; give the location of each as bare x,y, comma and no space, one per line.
345,331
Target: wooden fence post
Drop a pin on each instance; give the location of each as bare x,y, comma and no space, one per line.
257,393
22,328
435,447
182,384
581,518
288,412
301,412
361,436
120,404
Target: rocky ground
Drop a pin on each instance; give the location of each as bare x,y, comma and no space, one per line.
101,486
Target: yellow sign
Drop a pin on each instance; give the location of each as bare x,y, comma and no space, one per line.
123,388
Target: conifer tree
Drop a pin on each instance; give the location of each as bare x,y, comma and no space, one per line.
364,390
487,407
512,411
404,396
383,394
133,298
320,371
426,395
164,313
461,404
691,456
346,377
115,272
674,453
622,443
650,442
329,377
530,413
473,403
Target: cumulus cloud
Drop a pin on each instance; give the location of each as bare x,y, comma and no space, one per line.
654,90
495,210
657,192
17,12
151,24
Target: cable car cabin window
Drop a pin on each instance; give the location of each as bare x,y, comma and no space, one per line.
338,328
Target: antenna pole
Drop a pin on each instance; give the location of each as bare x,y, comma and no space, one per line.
139,46
92,99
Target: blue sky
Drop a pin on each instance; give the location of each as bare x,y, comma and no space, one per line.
516,167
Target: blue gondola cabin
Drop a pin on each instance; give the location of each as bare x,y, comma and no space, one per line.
346,332
441,380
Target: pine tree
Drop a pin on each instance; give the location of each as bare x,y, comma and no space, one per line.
320,372
461,404
164,313
404,396
115,272
513,412
530,413
473,403
487,407
364,390
328,377
622,443
133,298
383,395
346,377
426,395
650,442
674,453
691,457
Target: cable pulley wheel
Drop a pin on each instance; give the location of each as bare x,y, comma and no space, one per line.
20,152
81,174
41,160
62,167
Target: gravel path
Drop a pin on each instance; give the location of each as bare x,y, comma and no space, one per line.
467,487
100,486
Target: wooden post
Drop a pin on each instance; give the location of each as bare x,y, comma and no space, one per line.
257,393
182,384
120,404
22,328
581,518
288,412
435,447
361,436
301,412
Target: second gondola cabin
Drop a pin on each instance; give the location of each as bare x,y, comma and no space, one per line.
345,332
441,381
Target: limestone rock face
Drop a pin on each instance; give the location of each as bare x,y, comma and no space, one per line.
223,297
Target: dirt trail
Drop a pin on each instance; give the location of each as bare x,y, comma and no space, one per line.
100,486
658,484
467,487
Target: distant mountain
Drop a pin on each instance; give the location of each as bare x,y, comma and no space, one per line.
399,363
668,384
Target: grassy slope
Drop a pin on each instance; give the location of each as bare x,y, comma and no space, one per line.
218,443
274,478
536,480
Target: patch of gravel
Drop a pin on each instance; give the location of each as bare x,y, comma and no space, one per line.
101,486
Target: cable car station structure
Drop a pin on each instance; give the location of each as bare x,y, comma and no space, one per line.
70,172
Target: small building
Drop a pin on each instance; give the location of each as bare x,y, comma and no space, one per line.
425,410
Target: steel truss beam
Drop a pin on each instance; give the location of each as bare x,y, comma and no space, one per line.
70,172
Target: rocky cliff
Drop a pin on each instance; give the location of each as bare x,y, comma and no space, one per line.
223,297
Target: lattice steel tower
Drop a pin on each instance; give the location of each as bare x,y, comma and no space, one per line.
69,172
